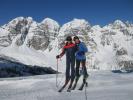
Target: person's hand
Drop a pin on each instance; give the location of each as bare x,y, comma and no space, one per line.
58,56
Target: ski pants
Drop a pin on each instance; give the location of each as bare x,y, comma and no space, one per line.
70,69
83,62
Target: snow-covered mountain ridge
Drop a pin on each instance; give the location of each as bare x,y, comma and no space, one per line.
33,43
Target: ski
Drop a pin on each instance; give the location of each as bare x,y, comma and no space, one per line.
83,84
69,90
62,88
81,87
75,84
70,86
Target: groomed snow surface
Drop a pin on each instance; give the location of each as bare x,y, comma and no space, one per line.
102,85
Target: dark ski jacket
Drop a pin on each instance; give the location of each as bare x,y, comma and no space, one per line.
69,50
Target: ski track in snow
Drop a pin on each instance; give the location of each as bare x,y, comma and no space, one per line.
102,85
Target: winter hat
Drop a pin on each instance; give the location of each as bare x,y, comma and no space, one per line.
69,38
76,37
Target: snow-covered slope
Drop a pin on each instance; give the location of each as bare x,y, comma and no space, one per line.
114,46
102,85
33,43
10,67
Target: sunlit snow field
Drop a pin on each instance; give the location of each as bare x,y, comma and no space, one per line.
102,85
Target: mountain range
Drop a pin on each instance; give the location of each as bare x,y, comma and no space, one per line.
32,43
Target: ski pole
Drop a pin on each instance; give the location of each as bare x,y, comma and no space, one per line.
85,91
57,74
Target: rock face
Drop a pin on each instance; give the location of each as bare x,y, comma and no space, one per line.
18,26
42,34
110,47
34,35
122,51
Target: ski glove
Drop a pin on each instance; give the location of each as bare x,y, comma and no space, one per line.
58,56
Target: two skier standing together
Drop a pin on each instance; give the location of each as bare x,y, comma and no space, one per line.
75,52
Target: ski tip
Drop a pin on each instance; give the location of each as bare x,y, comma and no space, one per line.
80,89
68,90
59,91
73,89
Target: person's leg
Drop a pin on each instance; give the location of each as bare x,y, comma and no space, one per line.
84,68
67,69
72,73
67,75
72,69
83,62
76,74
77,68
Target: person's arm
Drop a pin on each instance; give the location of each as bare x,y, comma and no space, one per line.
61,54
84,48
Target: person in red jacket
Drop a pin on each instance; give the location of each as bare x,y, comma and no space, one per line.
69,49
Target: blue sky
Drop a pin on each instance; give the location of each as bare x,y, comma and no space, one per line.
99,12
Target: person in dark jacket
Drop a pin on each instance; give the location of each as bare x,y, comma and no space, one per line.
69,49
80,59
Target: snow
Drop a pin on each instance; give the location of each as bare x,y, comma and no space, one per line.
103,55
26,55
15,21
105,59
119,22
102,85
27,83
74,24
96,27
29,18
52,24
3,32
